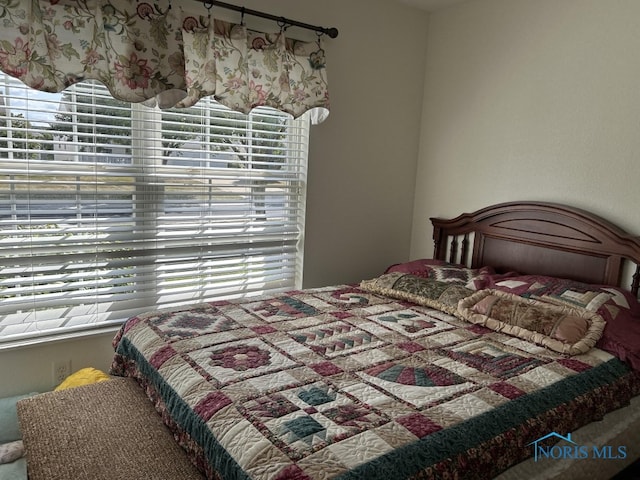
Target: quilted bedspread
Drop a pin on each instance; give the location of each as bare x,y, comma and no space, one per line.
340,383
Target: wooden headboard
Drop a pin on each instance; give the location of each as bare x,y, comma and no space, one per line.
542,239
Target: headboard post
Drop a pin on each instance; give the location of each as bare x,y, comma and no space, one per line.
439,246
635,285
453,250
465,248
440,243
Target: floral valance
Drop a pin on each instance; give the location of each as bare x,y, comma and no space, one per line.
151,52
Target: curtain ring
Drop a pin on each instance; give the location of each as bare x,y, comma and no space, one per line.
207,5
282,23
242,16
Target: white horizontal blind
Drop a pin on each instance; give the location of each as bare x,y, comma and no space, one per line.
108,209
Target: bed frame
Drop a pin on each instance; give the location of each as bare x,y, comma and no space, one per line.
541,239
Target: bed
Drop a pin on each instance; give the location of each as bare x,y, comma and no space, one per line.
523,330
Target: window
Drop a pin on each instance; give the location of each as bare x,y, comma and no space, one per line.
108,209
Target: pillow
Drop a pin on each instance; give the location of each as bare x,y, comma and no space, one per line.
420,267
606,300
9,428
622,339
442,296
561,328
10,452
473,278
84,376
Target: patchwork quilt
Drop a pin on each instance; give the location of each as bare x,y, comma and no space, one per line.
342,383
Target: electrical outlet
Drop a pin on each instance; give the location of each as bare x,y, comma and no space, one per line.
61,370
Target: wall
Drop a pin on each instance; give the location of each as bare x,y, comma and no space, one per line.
361,163
363,158
30,368
530,100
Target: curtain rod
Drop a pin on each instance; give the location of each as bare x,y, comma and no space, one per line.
332,32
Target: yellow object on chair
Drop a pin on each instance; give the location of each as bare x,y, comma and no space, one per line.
84,376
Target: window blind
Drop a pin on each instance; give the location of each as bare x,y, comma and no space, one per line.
108,209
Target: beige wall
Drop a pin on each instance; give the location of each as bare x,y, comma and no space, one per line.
363,158
361,165
531,99
30,369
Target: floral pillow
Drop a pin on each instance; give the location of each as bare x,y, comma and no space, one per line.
561,328
473,278
432,293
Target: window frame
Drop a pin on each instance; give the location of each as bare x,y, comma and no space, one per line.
150,178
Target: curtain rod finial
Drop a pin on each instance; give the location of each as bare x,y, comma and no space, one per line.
332,32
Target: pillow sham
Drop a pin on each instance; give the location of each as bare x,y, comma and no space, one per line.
622,339
432,293
473,278
420,267
606,300
564,329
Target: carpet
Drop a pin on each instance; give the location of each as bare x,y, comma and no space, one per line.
103,431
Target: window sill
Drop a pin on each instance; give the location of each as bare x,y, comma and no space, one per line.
56,338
